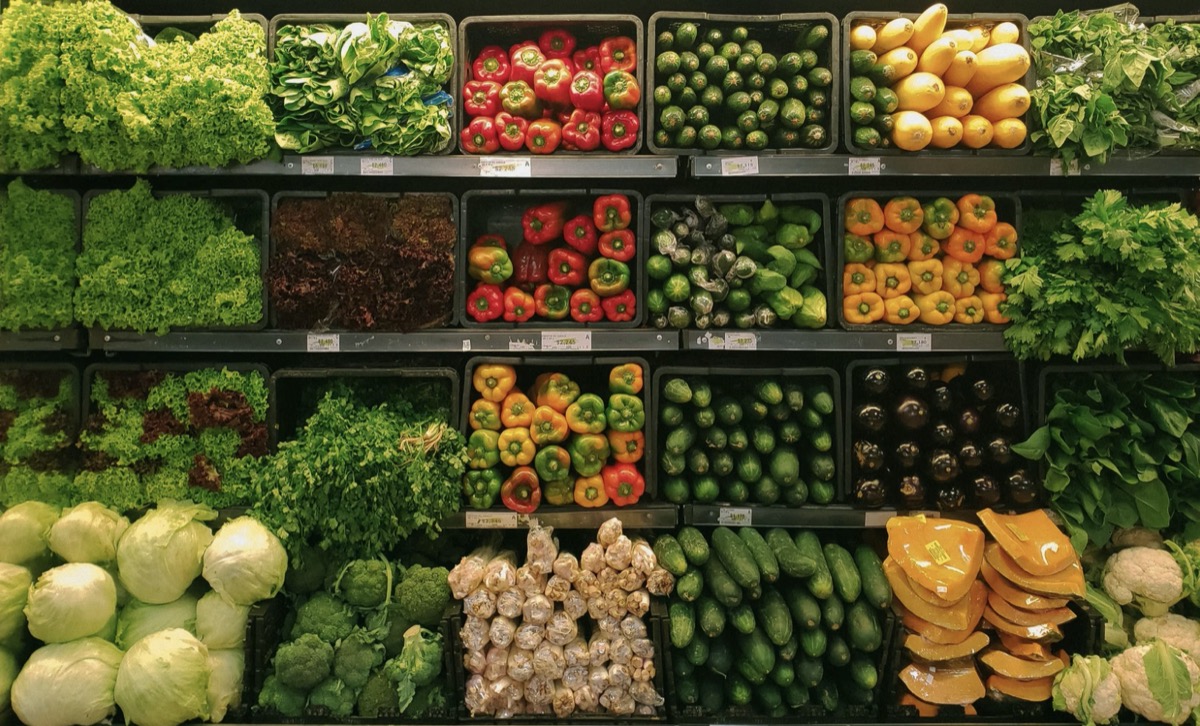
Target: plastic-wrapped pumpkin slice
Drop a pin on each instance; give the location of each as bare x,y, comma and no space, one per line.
931,652
1047,633
956,616
1010,666
929,631
1006,610
1017,596
942,556
1034,542
1068,582
1003,688
1026,649
948,684
924,710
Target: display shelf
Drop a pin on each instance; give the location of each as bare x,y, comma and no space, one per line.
650,515
948,165
839,516
66,339
948,341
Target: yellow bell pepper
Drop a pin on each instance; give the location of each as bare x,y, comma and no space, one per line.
991,275
937,308
926,276
516,447
900,310
548,427
516,411
959,278
589,492
922,247
485,415
555,390
863,308
891,279
493,381
991,307
857,278
968,310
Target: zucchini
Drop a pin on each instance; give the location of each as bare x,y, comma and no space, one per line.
806,612
827,695
710,616
743,620
736,557
721,585
844,571
791,561
837,653
720,656
862,628
833,612
768,566
821,582
697,651
759,651
739,690
774,616
814,643
809,671
875,587
863,672
683,624
695,547
670,555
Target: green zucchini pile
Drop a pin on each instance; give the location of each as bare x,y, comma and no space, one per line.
774,623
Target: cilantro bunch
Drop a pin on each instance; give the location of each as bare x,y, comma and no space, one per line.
37,258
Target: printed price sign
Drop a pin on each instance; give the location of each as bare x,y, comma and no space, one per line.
502,166
914,342
375,166
558,340
715,342
492,520
864,166
735,517
316,165
324,343
518,344
739,166
741,341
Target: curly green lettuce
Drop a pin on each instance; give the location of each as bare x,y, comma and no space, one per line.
37,258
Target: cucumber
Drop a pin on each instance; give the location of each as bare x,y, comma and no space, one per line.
689,587
862,628
826,694
837,653
687,691
806,611
821,582
855,694
670,555
844,571
748,670
768,566
795,695
774,616
809,671
743,620
721,585
791,562
695,547
783,674
683,624
833,612
720,656
697,651
768,696
682,667
759,651
875,587
821,492
814,643
710,616
735,556
863,672
712,695
788,650
739,690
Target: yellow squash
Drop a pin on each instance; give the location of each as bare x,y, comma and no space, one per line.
911,131
862,37
928,27
1007,100
1005,32
1008,133
947,132
892,35
977,131
919,92
957,103
961,70
997,65
902,60
938,56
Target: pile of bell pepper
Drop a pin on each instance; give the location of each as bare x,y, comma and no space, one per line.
552,94
565,266
937,262
552,443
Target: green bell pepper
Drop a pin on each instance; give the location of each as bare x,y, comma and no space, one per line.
553,463
589,453
586,415
481,488
793,236
608,277
782,260
483,449
625,413
857,249
558,493
765,280
785,302
811,219
739,215
813,312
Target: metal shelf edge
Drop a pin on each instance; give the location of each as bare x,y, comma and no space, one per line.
833,516
940,341
940,166
640,516
66,339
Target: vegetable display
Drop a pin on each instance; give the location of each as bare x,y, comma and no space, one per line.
732,265
552,92
574,260
935,262
928,436
729,86
553,442
38,232
774,621
936,82
561,634
363,262
36,435
373,85
744,438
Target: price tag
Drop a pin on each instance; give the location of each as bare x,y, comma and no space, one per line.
561,340
316,165
735,517
739,165
375,166
1058,169
324,343
877,519
492,520
864,166
914,342
518,344
714,342
505,166
466,344
741,341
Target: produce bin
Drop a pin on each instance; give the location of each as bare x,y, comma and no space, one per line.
821,246
195,24
826,377
1045,373
1011,387
1008,209
778,32
499,212
480,31
953,20
451,318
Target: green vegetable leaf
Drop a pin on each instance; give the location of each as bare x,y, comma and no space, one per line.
1035,446
1168,678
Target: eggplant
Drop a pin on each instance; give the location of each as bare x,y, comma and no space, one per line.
912,492
942,434
941,399
912,413
868,456
943,466
1022,490
968,421
999,451
985,490
1008,416
951,498
917,378
870,417
970,455
908,454
983,391
876,381
869,494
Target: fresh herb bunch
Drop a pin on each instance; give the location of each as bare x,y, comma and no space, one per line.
152,264
1117,276
37,258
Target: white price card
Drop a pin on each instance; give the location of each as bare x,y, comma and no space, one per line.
914,342
466,344
1057,168
505,166
741,341
316,165
492,520
863,166
519,344
739,165
735,517
713,342
877,519
324,343
375,166
562,340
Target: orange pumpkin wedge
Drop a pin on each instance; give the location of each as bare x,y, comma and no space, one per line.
1031,540
1047,633
929,631
931,652
1015,595
1006,610
945,684
928,596
942,556
1026,649
924,710
956,616
1068,583
1010,666
1033,691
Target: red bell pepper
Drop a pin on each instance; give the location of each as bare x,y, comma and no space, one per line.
522,492
492,65
526,59
587,59
618,54
587,91
531,265
519,305
620,308
481,98
568,268
552,82
485,303
543,136
585,307
479,137
620,130
611,212
491,240
543,223
552,302
618,245
621,91
623,484
557,43
580,234
510,130
582,130
518,98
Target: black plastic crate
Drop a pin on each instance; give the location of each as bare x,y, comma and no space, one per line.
1008,209
195,24
778,30
828,376
499,211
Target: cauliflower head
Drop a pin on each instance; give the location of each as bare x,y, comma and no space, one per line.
356,655
282,699
424,594
304,662
1158,682
1174,630
335,696
1088,690
324,616
1149,579
365,583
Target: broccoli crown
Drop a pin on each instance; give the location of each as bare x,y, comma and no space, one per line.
306,573
424,594
398,623
354,658
335,696
429,698
324,616
421,660
378,697
304,662
365,583
280,698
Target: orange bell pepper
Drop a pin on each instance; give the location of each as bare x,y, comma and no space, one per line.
485,415
627,447
903,215
625,378
589,492
891,246
922,247
959,278
892,280
991,307
493,382
548,427
976,212
863,216
857,278
968,310
900,310
926,276
991,275
516,411
1001,241
937,308
555,390
863,308
965,245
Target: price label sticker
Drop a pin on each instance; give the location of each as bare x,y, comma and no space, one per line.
864,166
316,165
739,166
714,342
324,343
505,166
375,166
1057,168
466,344
876,519
735,517
519,344
914,342
741,341
561,340
492,520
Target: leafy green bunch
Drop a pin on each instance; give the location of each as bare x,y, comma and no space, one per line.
34,437
37,258
1117,276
